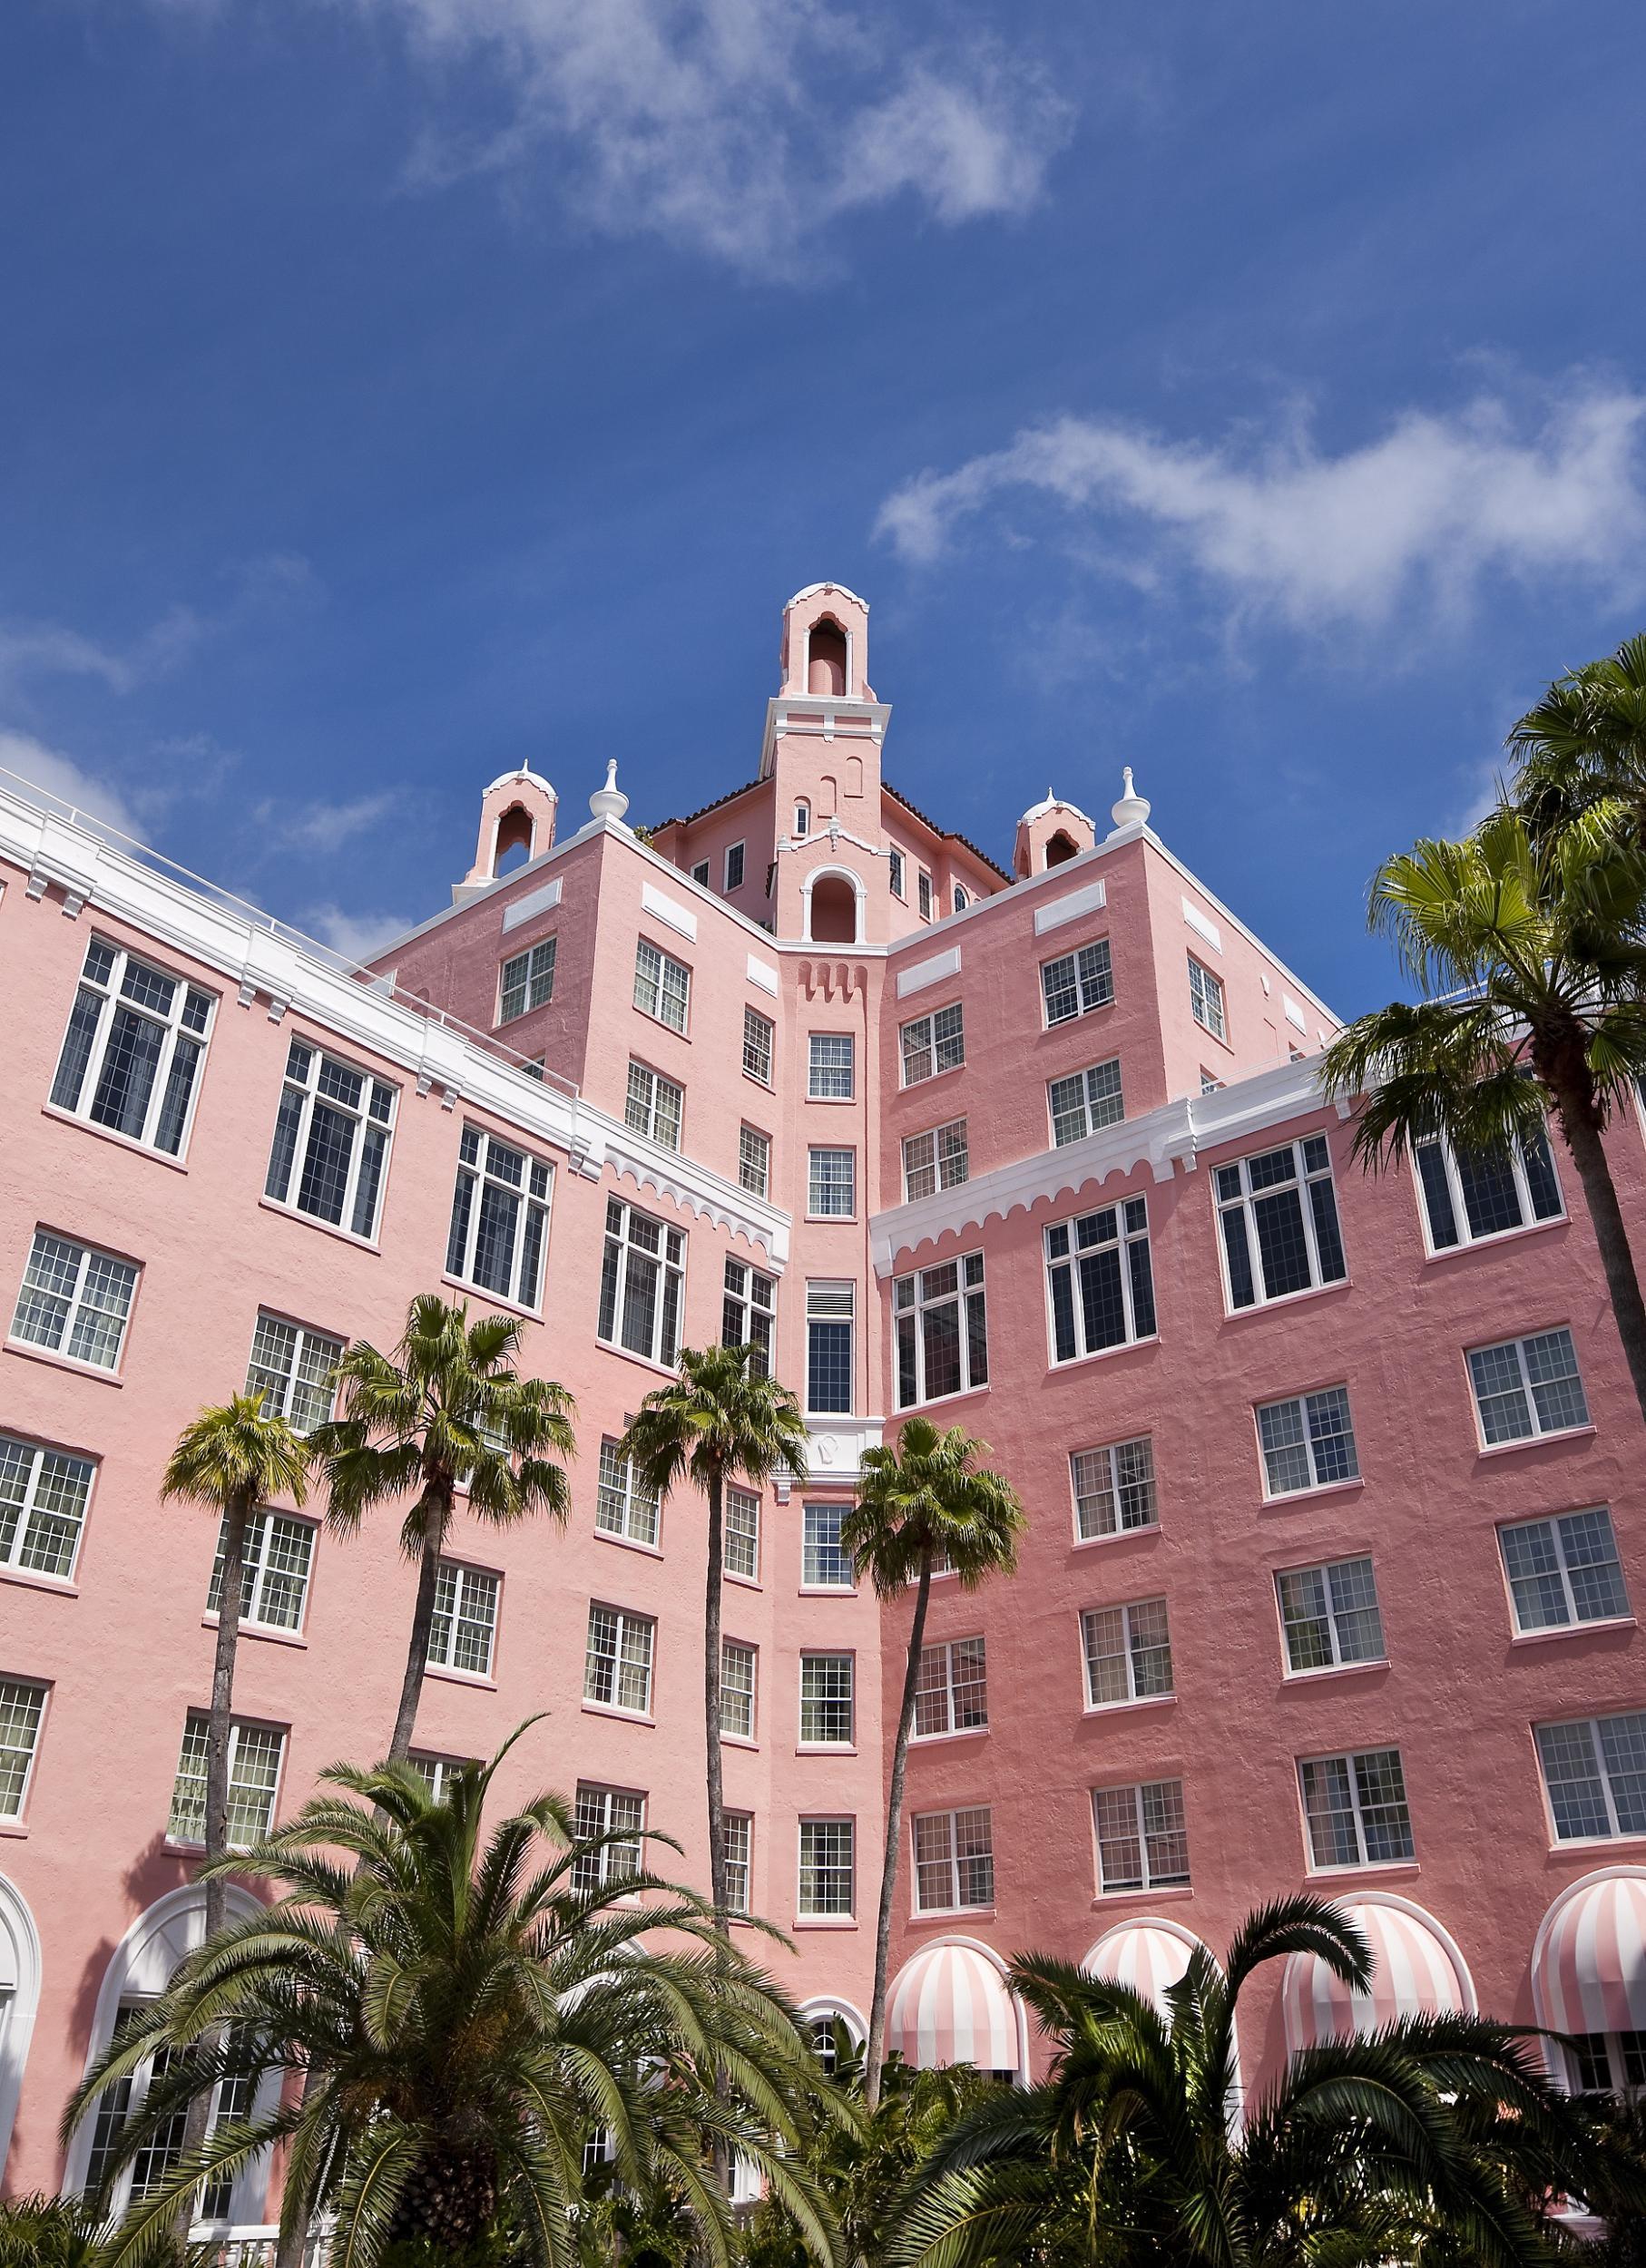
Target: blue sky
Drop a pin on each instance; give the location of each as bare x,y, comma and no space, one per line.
396,390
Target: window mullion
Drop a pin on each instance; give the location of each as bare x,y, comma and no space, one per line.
1597,1749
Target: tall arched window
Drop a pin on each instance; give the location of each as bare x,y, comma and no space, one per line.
826,658
19,1998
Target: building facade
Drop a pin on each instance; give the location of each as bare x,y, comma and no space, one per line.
1334,1483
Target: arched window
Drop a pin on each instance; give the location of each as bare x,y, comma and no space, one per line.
515,836
834,911
833,2025
826,658
19,1997
962,899
1060,846
802,821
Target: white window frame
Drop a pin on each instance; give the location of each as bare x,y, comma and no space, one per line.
13,1703
528,975
292,1391
897,873
662,986
818,1666
744,1531
744,1694
1086,973
919,1039
482,1198
941,1655
1064,1252
1164,1878
819,1315
833,1868
185,1025
754,1160
1309,1444
606,1665
748,1309
617,1860
826,1080
461,1593
802,826
923,892
435,1768
653,1106
624,1509
1116,1487
1353,1759
31,1532
740,851
943,1834
1098,1104
759,1037
239,1725
98,1297
1206,1003
372,1126
963,897
940,1158
1527,1388
700,873
665,1262
1336,1607
1614,1830
1625,2063
812,1551
1560,1530
738,1857
928,1292
1467,1237
1135,1642
831,1182
1236,1202
267,1529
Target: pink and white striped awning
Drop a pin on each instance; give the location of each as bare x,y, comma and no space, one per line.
1415,1972
950,2005
1143,1955
1588,1968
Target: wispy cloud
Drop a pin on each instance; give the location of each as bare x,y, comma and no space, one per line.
60,775
321,826
358,937
255,589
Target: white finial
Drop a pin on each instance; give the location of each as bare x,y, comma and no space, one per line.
1132,809
609,801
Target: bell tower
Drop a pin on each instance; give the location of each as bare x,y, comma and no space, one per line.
824,730
516,813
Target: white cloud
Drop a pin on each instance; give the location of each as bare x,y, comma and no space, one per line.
357,937
61,776
259,588
322,826
1284,530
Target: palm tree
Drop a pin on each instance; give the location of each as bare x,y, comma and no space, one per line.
922,1501
1584,743
1528,952
448,1409
470,2012
723,1416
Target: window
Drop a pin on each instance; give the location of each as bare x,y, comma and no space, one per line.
293,1369
1607,2063
962,900
757,1045
740,1535
74,1300
831,1073
1330,1614
617,1667
118,2104
826,1700
748,1312
534,1066
933,1043
736,1689
943,1339
527,981
617,1812
1101,1282
131,1054
754,1161
802,820
1564,1570
1113,1488
653,1107
826,1866
275,1587
1527,1387
831,1184
823,1565
22,1707
1085,1101
640,1285
952,1691
738,1857
500,1217
896,858
1128,1653
924,890
437,1772
1210,1084
1308,1443
331,1140
1278,1216
43,1500
1142,1841
662,986
1076,983
734,866
953,1860
1355,1808
466,1620
621,1506
1595,1772
1470,1195
255,1754
1206,999
828,1348
699,873
938,1160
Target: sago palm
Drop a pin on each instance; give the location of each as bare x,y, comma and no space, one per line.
448,1409
1529,954
925,1500
724,1416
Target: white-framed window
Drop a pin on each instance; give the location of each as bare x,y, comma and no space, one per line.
436,1772
738,1669
831,1183
953,1860
1563,1571
740,1535
1210,1084
831,1074
1143,1841
1114,1489
827,1866
1077,983
829,1310
1355,1809
464,1628
623,1507
1128,1652
1595,1769
22,1708
500,1218
895,859
663,985
653,1106
1278,1212
1606,2063
923,887
758,1032
824,1566
827,1713
933,1043
699,873
962,898
526,981
131,1054
942,1331
117,2106
1469,1196
952,1689
1525,1388
294,1369
43,1494
754,1161
617,1667
1307,1442
256,1753
617,1812
749,1311
278,1551
534,1066
734,866
1100,1280
1206,999
641,1284
1085,1101
939,1159
1330,1614
331,1140
739,1854
802,826
74,1301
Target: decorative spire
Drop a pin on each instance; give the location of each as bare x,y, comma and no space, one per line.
609,801
1132,809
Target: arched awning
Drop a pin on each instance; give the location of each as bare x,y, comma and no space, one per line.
950,2005
1589,1965
1145,1955
1417,1970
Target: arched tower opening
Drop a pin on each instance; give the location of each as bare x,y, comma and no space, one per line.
516,831
826,656
1060,847
834,911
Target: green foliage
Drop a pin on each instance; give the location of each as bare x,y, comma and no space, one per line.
236,1451
927,1498
58,2233
1583,744
1620,2194
719,1418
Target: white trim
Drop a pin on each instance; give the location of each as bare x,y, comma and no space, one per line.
667,909
17,2014
1090,900
1202,927
924,972
762,976
543,901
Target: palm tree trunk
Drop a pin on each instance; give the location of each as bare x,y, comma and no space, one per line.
423,1619
876,2054
1583,1135
712,1702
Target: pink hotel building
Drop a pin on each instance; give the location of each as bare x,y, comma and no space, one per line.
1334,1484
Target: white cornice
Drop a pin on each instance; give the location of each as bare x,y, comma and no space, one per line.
841,717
